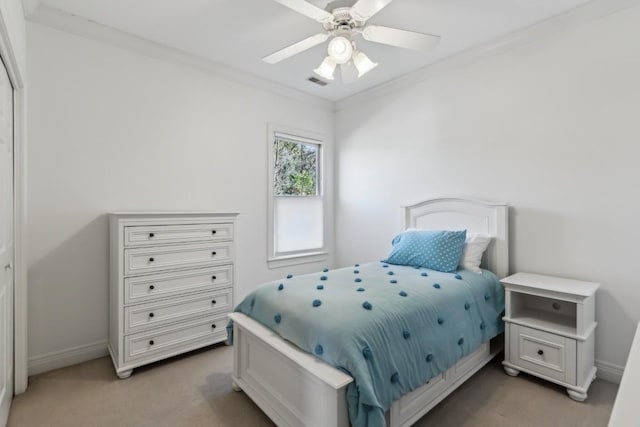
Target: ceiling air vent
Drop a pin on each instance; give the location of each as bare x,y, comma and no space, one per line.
317,81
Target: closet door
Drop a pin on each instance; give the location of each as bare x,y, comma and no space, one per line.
6,244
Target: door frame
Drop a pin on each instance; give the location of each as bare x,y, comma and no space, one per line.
17,77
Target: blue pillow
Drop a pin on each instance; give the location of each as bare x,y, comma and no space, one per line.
436,250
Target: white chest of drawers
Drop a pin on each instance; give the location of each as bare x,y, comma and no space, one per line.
171,284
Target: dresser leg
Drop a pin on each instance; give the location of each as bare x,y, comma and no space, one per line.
510,371
124,374
235,386
576,395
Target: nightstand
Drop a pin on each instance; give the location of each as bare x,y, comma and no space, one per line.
550,330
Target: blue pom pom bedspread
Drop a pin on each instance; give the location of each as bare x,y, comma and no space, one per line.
392,328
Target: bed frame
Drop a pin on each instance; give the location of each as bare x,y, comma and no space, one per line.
294,388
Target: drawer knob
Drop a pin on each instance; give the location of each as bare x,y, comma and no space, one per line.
213,231
213,326
213,301
151,235
151,259
213,253
151,342
151,314
540,352
151,287
213,277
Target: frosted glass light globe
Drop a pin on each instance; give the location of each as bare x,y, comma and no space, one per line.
340,50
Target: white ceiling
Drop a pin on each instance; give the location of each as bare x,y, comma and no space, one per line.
238,33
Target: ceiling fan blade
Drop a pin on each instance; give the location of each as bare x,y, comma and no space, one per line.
400,38
295,49
365,9
308,9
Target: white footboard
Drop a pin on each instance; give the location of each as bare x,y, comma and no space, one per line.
292,387
295,388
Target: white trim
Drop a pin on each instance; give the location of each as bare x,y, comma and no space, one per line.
60,20
16,74
307,258
588,12
71,356
275,260
609,372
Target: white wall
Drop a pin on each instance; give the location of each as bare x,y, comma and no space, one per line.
112,130
551,127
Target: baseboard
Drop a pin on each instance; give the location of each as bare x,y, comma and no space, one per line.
609,372
72,356
67,357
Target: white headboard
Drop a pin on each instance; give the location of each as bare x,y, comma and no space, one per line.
473,215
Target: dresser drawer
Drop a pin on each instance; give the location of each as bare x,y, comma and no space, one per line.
175,338
147,316
163,234
550,355
148,288
150,259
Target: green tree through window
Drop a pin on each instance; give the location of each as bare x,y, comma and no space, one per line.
295,168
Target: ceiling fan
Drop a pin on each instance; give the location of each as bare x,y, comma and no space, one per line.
341,25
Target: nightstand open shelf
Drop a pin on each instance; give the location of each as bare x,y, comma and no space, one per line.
545,321
549,330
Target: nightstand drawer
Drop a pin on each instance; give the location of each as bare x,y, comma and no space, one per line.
550,355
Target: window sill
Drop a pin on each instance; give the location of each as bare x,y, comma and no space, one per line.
286,261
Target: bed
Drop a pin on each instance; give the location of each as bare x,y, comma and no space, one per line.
295,388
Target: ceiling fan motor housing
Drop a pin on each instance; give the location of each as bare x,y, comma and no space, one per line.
342,20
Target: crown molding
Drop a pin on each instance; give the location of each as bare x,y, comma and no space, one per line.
39,13
588,12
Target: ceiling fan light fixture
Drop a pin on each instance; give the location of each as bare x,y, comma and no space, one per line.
326,69
363,63
340,49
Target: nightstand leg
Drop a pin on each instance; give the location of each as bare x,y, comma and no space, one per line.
510,371
235,386
576,395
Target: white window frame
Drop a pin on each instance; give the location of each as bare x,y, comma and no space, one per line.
276,260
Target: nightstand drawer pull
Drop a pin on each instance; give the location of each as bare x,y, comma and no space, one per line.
151,259
540,352
213,253
151,235
213,301
213,277
213,231
213,326
151,287
151,314
151,342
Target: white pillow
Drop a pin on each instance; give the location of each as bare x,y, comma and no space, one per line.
474,247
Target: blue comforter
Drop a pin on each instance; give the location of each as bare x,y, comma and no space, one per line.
390,327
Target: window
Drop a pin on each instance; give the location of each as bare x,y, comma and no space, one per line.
296,209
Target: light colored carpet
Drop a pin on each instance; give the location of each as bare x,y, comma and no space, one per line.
195,390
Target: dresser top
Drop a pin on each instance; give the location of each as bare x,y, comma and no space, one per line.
551,283
136,214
